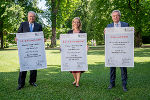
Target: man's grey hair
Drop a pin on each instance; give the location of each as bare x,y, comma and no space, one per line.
32,12
116,11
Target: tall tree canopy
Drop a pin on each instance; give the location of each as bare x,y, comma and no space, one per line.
59,14
12,13
94,14
10,17
134,12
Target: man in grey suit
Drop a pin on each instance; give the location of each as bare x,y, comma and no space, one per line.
117,23
29,26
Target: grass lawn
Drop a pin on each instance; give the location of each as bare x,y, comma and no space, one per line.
56,85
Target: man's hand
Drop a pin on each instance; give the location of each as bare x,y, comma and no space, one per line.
44,39
104,30
16,39
87,48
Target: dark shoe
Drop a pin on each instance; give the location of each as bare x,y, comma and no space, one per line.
19,87
111,86
125,89
74,83
77,86
33,84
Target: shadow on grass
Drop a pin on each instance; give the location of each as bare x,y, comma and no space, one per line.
10,49
57,85
143,52
95,52
55,52
54,84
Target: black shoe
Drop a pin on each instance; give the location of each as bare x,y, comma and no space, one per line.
125,89
19,87
33,84
111,86
77,86
73,83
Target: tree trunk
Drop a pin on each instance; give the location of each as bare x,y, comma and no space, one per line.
1,35
53,38
138,30
55,7
53,19
138,39
2,42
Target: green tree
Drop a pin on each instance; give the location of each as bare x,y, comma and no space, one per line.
134,12
29,5
3,4
58,15
137,14
98,18
10,16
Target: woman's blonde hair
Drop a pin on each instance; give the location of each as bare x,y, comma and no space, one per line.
80,26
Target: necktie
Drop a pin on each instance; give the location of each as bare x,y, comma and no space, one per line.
117,25
31,30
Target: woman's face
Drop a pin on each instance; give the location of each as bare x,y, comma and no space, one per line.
76,24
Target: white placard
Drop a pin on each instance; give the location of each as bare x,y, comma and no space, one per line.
31,51
119,47
73,52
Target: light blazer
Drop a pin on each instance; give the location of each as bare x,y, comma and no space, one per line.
123,24
24,27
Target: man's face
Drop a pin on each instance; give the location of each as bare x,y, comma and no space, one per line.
115,17
31,17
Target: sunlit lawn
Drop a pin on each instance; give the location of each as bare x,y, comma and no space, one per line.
56,85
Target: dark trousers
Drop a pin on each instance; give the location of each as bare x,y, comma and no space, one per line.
123,75
22,77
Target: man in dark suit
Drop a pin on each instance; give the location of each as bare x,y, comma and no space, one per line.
117,23
29,26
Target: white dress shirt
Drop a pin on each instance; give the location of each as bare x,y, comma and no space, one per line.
32,25
117,24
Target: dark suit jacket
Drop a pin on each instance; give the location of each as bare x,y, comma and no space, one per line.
24,27
71,31
123,24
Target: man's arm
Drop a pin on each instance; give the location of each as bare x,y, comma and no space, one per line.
41,28
20,30
110,25
126,24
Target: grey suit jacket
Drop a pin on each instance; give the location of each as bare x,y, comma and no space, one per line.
24,27
123,24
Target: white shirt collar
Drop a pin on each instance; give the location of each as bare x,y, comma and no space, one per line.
32,24
119,24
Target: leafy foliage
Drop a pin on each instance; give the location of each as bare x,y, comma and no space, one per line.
13,16
12,13
94,14
134,12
